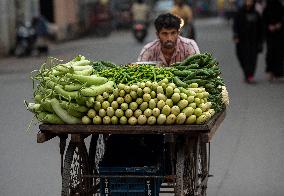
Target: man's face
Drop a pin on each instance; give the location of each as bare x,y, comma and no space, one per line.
168,37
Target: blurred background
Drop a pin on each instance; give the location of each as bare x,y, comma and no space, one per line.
76,18
246,152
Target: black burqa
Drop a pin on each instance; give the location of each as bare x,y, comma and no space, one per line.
274,14
248,30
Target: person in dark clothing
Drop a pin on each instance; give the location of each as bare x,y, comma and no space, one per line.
273,17
248,36
40,25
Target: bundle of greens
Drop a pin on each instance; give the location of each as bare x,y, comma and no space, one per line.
62,91
131,74
204,70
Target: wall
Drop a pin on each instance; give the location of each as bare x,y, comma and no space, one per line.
13,12
66,18
8,26
66,13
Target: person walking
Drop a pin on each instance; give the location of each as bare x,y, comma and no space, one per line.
248,37
273,16
184,11
140,11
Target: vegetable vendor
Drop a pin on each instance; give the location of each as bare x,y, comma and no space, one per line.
248,36
147,150
142,150
169,47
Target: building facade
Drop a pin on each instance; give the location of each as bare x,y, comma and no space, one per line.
63,16
8,25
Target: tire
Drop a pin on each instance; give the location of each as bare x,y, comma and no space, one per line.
179,171
203,172
191,168
93,171
140,35
75,166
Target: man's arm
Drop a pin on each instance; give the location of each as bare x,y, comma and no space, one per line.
144,55
195,47
147,53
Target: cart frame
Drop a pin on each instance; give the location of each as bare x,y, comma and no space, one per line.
190,156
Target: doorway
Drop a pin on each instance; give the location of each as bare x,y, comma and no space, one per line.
47,9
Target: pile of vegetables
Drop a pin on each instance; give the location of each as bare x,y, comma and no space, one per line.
103,65
85,92
203,69
62,91
151,103
131,74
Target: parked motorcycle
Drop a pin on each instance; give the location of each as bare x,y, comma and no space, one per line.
140,31
25,40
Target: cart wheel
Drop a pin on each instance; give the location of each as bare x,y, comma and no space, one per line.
92,153
179,171
202,168
93,171
191,168
75,167
186,168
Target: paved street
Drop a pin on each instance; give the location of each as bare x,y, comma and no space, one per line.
247,155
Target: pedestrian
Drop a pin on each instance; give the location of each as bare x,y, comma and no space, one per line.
169,47
273,16
248,37
220,7
140,11
184,11
40,25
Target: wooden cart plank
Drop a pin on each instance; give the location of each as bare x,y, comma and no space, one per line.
43,137
137,129
124,129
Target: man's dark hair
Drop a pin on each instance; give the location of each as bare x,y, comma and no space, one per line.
167,21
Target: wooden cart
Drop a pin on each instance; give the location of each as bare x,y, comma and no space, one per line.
191,155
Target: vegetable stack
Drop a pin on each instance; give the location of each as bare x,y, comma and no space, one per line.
204,70
85,92
151,103
62,90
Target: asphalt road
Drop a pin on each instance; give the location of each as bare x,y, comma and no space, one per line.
247,156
